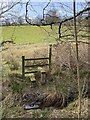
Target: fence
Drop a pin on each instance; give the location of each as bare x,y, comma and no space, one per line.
24,67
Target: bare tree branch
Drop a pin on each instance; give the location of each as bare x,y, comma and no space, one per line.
71,18
45,8
52,23
9,8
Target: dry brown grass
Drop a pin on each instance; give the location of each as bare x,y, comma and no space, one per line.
63,54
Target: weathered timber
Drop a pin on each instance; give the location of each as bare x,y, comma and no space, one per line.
28,59
23,69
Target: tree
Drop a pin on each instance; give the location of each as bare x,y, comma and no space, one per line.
77,60
37,20
4,8
20,20
7,22
88,19
52,16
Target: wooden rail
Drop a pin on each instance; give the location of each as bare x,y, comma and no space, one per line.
36,59
36,65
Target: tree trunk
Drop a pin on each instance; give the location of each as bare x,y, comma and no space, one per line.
77,61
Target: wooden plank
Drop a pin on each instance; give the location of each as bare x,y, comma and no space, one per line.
32,77
30,72
36,59
37,65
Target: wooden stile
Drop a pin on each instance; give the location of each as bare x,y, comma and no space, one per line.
35,65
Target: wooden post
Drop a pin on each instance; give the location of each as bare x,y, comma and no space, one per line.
23,70
43,77
50,53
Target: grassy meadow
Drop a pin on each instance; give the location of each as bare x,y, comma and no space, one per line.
29,34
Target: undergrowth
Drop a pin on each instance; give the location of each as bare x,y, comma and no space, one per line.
61,79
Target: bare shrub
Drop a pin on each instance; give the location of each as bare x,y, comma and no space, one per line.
64,55
64,68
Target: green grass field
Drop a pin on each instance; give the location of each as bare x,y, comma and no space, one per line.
29,34
34,34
